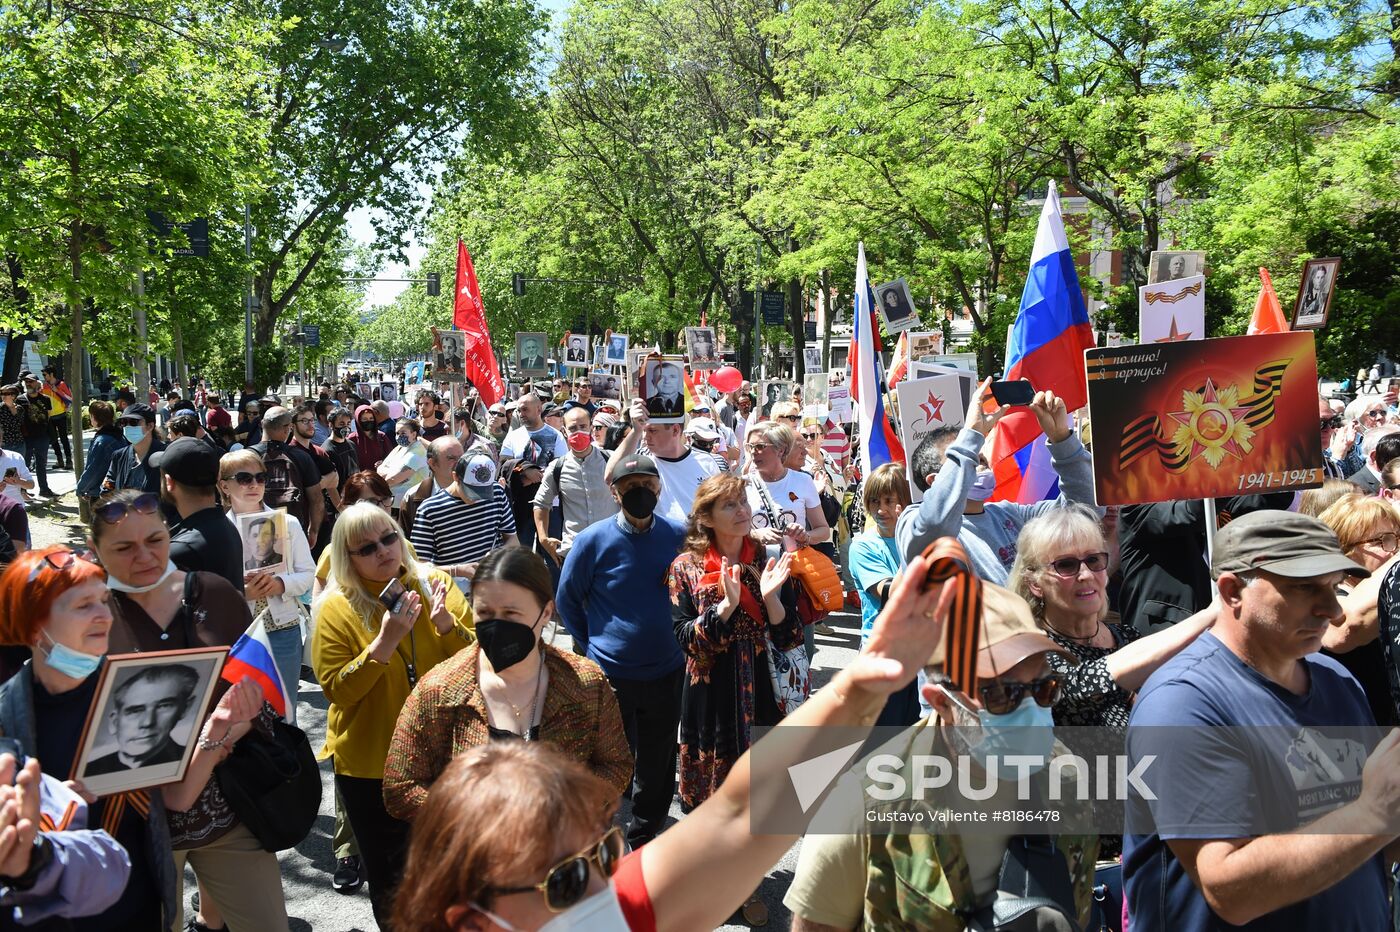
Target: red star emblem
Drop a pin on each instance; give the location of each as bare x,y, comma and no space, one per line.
933,408
1174,336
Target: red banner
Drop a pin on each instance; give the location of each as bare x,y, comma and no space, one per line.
469,316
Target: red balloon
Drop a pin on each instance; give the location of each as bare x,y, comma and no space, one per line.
727,379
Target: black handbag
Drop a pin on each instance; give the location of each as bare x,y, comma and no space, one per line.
1034,891
273,785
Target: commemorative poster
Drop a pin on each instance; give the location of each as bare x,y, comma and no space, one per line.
1172,311
838,403
815,386
968,380
925,343
449,355
896,306
927,405
1204,418
663,389
1315,293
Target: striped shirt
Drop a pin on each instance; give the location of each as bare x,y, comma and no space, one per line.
447,530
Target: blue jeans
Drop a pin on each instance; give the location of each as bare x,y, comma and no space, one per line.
286,653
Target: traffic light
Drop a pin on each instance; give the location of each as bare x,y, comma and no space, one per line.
434,284
517,285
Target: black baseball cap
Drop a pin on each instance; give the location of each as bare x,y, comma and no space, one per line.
637,465
189,461
135,411
1284,543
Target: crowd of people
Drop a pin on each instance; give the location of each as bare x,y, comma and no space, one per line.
417,561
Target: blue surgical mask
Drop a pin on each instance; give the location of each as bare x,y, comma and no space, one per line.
133,432
73,664
1028,729
983,487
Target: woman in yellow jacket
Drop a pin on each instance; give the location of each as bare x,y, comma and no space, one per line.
373,641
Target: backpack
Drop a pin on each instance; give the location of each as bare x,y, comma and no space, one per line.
284,483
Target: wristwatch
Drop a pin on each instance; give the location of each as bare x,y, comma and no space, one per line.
39,859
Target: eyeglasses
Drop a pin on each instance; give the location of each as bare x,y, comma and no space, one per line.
788,417
370,549
1068,567
758,447
115,512
1388,542
304,420
61,560
567,881
249,478
1000,698
1331,423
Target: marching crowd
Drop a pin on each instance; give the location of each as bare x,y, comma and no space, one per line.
428,552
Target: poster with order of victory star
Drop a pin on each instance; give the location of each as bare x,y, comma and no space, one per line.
1172,312
927,405
1204,418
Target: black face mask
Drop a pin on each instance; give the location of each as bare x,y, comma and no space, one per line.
505,643
639,502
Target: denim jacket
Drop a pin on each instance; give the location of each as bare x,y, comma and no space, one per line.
17,721
107,444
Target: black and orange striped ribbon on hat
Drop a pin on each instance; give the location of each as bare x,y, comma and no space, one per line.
962,631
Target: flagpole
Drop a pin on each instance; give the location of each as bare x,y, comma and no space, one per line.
1210,530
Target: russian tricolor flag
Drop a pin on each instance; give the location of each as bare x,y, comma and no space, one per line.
251,655
879,444
1046,345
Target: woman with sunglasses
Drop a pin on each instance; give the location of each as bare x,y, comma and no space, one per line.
509,685
474,868
371,446
157,607
784,501
275,598
407,464
383,622
1061,569
1368,529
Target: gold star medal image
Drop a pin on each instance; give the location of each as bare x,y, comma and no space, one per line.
1191,418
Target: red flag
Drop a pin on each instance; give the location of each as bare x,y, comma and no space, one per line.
1268,315
469,316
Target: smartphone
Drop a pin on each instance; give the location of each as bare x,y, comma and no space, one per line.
391,595
1019,392
11,472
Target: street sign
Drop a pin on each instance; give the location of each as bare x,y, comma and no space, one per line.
197,231
311,334
773,308
810,326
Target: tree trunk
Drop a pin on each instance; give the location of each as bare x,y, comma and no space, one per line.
828,312
798,322
75,314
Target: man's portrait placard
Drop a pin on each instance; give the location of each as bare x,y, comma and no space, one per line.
264,535
702,348
1204,418
1168,265
605,384
530,359
812,358
1315,293
896,306
615,350
927,405
1172,311
145,717
364,390
925,343
774,391
388,391
663,389
814,388
449,355
576,351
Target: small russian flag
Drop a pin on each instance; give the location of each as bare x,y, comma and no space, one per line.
251,656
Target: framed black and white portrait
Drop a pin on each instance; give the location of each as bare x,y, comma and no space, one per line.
144,720
605,384
702,347
530,358
896,306
576,351
615,350
663,388
1167,265
1315,291
265,541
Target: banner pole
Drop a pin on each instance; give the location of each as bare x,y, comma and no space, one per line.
1210,530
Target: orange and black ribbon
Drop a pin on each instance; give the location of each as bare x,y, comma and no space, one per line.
1152,297
963,629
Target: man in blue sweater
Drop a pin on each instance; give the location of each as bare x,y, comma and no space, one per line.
948,466
614,600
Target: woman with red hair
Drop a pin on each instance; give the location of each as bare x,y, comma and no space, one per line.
55,602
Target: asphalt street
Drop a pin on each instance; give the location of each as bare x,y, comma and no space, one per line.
306,871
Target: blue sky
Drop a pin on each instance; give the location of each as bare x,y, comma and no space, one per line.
362,232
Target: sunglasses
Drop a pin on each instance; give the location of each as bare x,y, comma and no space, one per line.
567,881
812,435
1068,567
248,478
789,417
370,549
1331,423
115,512
1378,413
61,560
1000,698
1388,542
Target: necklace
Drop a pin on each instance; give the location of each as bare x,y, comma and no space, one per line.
534,702
1076,637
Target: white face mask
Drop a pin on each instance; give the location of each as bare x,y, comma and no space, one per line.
116,585
983,487
600,912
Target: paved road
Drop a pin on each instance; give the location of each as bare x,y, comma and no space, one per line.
311,903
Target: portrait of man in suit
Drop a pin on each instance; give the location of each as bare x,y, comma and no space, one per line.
141,715
665,386
577,351
529,354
